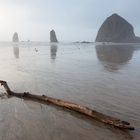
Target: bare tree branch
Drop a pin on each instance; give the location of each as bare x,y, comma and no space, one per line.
72,106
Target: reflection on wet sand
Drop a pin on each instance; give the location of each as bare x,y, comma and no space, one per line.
32,121
53,51
77,77
16,50
114,56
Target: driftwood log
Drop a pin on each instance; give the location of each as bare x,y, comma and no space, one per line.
72,106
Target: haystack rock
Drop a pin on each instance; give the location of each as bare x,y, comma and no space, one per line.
15,37
53,37
116,29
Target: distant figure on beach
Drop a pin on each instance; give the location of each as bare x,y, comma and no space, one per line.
36,50
53,37
15,37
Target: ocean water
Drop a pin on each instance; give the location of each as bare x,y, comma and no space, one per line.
103,77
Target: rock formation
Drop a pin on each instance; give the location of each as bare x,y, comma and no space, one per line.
53,36
116,29
15,37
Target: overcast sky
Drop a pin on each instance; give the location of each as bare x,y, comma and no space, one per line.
72,20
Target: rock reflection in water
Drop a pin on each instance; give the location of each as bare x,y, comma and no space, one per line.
53,51
114,56
16,50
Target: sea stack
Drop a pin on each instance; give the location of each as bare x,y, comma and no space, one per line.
15,37
53,37
116,29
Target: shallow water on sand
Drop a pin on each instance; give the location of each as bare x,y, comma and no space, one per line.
105,78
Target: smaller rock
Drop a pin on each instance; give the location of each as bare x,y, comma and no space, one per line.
15,37
53,37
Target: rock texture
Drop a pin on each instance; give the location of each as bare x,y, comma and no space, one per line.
53,37
15,37
116,29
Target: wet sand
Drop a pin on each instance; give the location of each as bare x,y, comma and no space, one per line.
105,78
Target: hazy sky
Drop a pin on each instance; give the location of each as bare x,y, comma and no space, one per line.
72,20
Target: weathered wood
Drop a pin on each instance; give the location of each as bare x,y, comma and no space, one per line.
72,106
